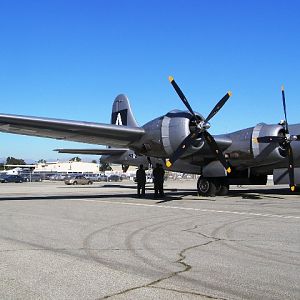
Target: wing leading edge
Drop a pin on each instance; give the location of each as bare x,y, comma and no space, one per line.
77,131
107,151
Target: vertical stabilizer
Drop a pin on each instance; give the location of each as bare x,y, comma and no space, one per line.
121,112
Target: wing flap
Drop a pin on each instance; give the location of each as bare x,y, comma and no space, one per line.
78,131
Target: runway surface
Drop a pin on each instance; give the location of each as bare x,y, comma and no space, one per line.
102,242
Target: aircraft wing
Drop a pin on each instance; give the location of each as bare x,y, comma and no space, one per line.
106,151
78,131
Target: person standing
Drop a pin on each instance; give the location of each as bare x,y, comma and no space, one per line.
158,180
141,181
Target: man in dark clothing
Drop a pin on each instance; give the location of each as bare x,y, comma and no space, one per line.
141,180
158,180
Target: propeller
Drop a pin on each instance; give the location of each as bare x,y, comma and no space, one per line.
202,125
285,142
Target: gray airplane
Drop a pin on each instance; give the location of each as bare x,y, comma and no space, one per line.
180,139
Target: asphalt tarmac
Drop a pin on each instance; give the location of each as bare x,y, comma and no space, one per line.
102,242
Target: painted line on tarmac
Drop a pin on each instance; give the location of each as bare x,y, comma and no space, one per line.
192,209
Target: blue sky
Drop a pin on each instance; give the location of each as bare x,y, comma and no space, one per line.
70,59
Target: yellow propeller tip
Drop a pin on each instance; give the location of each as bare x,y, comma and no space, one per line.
292,188
228,170
230,93
168,164
171,78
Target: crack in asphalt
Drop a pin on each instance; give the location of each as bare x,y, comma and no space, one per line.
186,268
215,239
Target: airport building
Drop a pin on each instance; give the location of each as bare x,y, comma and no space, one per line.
67,167
78,167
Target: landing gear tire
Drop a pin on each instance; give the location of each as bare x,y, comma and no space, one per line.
222,186
206,187
222,190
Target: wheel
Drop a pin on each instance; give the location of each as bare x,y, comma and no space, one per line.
223,190
222,187
75,182
206,187
90,182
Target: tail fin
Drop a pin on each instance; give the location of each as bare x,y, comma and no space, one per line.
121,112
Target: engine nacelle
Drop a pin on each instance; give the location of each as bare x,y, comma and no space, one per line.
165,134
267,151
176,126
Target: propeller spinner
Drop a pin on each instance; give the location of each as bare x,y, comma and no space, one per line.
285,142
202,125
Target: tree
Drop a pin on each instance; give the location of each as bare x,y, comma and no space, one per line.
14,161
75,159
42,161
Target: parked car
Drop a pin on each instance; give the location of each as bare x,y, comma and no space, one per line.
32,177
11,178
115,178
93,177
58,177
78,179
2,175
102,178
125,177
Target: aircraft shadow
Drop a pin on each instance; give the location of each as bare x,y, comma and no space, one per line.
170,195
273,193
85,196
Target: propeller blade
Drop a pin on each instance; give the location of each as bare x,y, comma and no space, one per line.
284,109
215,149
218,106
291,168
181,149
271,139
202,130
181,95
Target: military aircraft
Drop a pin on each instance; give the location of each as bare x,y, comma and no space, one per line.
181,140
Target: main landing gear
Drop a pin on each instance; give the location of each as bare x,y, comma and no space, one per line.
208,186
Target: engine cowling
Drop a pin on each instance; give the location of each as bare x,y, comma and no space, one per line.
267,151
165,134
176,126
